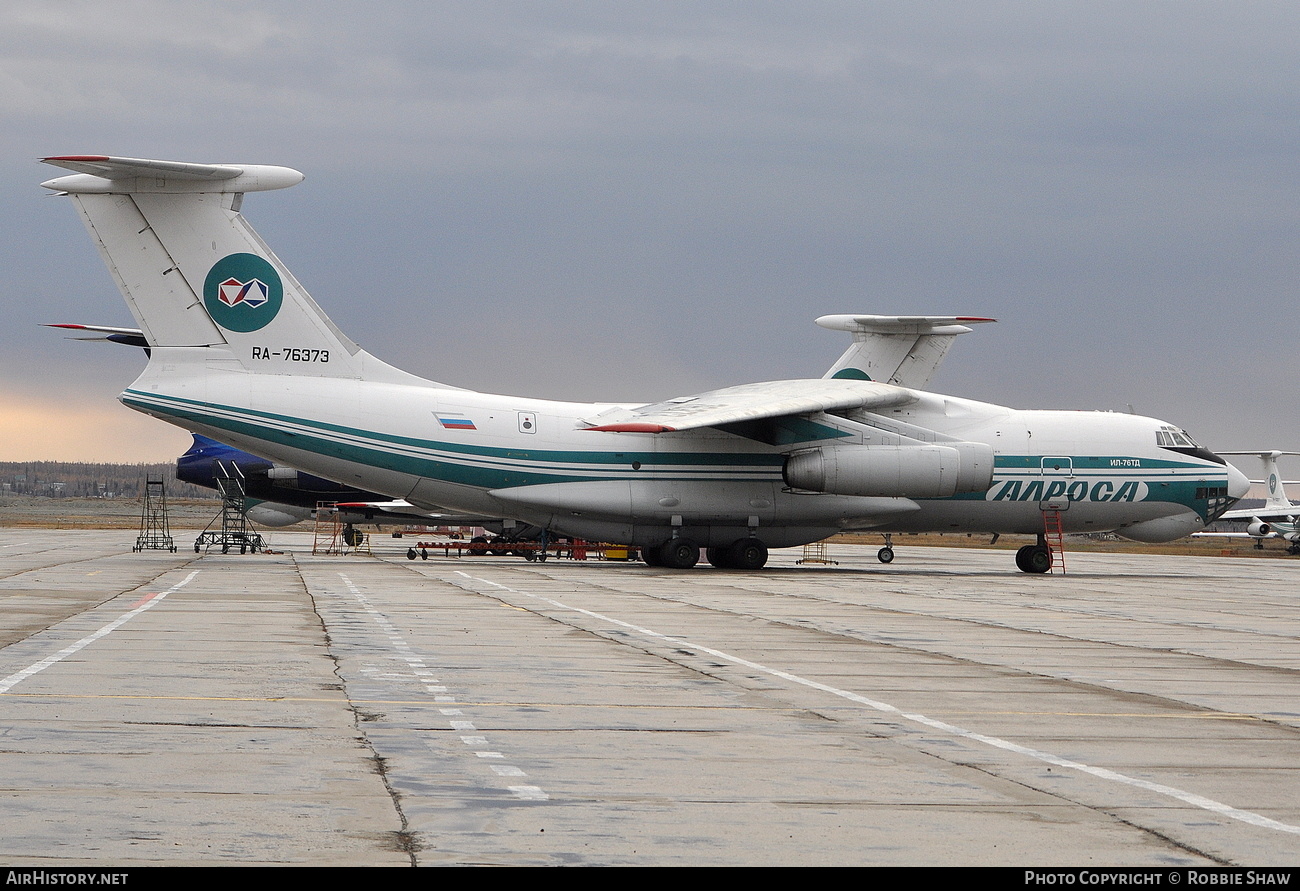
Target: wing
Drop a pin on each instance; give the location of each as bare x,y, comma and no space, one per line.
750,402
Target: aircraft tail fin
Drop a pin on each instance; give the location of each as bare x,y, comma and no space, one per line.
902,350
1276,500
194,273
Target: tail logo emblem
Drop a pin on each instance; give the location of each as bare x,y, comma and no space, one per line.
251,293
243,292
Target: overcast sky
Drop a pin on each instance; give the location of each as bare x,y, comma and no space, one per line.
634,201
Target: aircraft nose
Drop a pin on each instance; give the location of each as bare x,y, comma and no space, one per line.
1238,485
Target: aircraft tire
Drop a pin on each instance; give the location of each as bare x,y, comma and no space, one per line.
1022,559
886,555
747,553
717,558
650,555
1034,559
679,553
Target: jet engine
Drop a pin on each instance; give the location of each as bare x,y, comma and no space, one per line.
269,513
1259,529
907,471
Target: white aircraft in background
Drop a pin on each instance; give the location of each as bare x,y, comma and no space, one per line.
1278,516
240,352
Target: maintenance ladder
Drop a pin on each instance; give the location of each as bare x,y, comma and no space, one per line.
155,529
1054,537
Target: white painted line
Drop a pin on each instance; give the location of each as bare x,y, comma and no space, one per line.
1182,795
419,670
528,793
140,606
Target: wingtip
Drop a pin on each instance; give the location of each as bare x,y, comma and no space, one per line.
52,158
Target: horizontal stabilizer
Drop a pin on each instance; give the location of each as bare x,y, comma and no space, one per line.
104,174
128,336
865,324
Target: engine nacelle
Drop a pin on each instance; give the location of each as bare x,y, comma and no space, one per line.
919,471
269,513
1259,529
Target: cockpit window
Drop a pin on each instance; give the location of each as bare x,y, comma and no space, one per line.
1172,438
1176,440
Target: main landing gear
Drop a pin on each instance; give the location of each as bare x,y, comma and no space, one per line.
682,553
1035,558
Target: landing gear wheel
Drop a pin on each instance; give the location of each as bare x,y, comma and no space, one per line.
1034,559
885,554
679,553
650,555
747,553
717,557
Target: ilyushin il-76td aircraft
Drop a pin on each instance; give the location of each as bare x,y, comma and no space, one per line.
240,352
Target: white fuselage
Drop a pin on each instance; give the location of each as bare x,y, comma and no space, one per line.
533,460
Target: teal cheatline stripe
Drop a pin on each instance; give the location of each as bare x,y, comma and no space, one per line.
513,455
1095,464
324,439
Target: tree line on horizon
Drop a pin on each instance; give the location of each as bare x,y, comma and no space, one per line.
83,479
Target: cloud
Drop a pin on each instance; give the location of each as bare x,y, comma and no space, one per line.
585,201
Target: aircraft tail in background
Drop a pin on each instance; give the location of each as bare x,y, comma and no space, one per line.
1276,500
901,350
